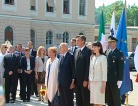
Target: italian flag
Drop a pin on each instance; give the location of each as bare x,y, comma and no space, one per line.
101,36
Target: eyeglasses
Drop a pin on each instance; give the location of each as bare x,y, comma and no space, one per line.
6,47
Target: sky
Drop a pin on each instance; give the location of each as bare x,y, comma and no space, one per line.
107,2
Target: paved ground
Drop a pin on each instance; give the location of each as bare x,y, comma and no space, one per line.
133,99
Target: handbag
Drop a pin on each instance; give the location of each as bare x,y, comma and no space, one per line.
56,100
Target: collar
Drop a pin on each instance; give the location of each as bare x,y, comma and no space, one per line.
64,54
82,48
113,49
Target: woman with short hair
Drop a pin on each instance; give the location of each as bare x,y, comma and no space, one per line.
51,80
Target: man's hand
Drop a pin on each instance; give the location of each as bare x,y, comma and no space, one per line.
85,83
10,73
72,85
29,72
19,70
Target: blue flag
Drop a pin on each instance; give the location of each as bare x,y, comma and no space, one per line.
122,45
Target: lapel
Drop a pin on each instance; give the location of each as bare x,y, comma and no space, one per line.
25,62
82,52
76,53
65,58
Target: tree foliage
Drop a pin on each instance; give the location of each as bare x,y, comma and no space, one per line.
132,13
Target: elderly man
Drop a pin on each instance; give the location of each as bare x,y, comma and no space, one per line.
66,76
11,64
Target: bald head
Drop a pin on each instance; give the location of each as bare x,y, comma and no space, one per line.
63,48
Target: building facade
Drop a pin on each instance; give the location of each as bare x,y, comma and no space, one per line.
46,22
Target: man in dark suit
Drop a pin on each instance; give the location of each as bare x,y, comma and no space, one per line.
115,73
33,53
66,76
20,54
11,64
73,45
82,61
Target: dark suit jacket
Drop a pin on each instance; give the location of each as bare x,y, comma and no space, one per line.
22,54
115,66
66,70
82,65
11,64
24,63
33,53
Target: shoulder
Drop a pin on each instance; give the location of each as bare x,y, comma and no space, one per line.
103,57
119,52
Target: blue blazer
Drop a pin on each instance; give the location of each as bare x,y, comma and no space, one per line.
66,70
24,63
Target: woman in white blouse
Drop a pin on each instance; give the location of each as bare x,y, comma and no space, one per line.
27,65
40,69
51,80
97,75
2,54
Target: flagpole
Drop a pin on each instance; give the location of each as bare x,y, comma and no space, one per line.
126,27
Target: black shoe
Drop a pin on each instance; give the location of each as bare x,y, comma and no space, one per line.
28,100
7,101
24,100
12,101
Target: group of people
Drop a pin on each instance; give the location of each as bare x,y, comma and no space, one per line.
84,69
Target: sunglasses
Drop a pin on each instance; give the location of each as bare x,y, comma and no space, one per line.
6,47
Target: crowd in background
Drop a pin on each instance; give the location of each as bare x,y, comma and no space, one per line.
83,68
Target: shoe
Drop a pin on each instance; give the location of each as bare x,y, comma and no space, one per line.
7,102
36,95
24,100
12,101
39,99
28,100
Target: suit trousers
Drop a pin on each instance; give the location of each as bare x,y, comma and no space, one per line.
34,85
66,96
20,80
27,83
113,94
82,95
11,85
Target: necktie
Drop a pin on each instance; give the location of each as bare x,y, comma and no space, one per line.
79,53
62,60
11,56
72,50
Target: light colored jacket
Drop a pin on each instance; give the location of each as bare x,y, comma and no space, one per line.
98,68
41,65
53,79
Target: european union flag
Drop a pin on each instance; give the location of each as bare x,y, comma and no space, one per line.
122,45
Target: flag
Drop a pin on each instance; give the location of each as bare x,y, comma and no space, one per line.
122,45
136,58
101,36
112,27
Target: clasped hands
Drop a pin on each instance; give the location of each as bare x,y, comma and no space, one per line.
28,72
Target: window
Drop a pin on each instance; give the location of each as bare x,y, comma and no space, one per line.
95,38
32,5
50,5
81,33
32,36
9,34
66,37
49,39
134,43
11,2
50,9
82,7
66,6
